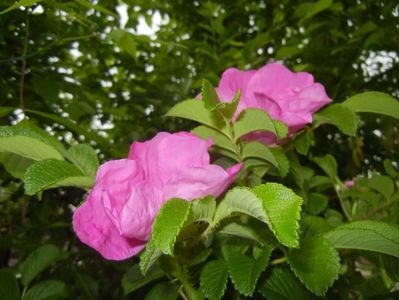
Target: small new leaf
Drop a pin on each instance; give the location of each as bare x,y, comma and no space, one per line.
169,222
208,95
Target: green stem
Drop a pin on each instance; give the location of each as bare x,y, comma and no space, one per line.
278,261
191,293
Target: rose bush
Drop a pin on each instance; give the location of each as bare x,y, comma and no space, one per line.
117,215
286,96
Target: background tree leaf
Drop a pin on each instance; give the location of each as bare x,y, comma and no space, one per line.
9,289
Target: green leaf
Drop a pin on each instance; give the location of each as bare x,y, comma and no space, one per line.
37,261
228,109
51,173
164,291
366,235
45,290
240,200
259,150
389,169
15,164
149,256
195,110
213,279
317,203
282,160
281,129
245,271
85,158
382,184
283,209
328,164
219,139
241,231
374,102
304,141
29,142
169,222
100,8
25,3
124,40
340,116
9,289
316,264
202,210
208,95
283,285
309,9
253,119
134,279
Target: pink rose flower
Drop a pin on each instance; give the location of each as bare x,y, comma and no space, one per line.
118,214
286,96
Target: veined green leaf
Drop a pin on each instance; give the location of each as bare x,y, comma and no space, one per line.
282,207
366,235
340,116
240,200
9,289
253,119
228,109
37,261
149,256
213,279
29,141
51,173
196,111
241,231
48,289
316,264
220,140
245,271
259,150
85,158
202,210
374,102
168,223
283,285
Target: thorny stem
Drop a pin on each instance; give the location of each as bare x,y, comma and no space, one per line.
337,188
24,51
191,293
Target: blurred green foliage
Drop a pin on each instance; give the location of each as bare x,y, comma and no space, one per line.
81,72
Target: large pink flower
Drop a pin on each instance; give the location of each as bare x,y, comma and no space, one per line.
284,95
117,217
